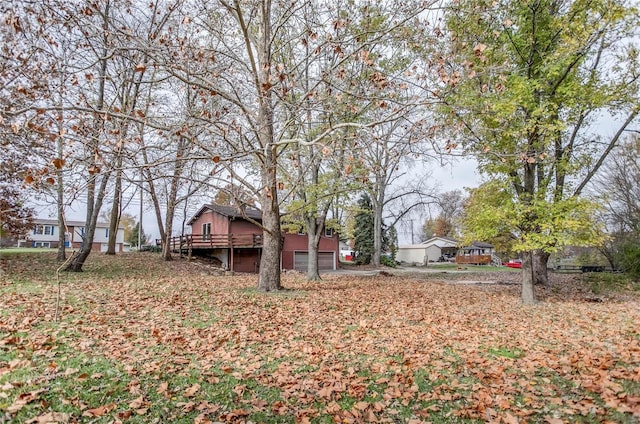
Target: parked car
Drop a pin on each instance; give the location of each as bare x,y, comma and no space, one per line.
514,263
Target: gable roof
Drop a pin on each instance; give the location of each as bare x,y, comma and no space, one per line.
479,245
440,242
41,221
229,211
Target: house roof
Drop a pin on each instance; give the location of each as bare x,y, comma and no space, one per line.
39,221
229,211
440,242
412,246
479,245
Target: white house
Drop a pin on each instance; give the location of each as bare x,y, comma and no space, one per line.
46,233
433,250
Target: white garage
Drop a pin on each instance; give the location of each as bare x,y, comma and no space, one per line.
431,250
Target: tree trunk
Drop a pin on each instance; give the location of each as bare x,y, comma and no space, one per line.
173,195
528,295
94,203
166,243
269,279
313,233
377,232
62,253
540,260
156,203
77,262
114,219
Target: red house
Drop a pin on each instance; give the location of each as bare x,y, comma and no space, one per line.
233,236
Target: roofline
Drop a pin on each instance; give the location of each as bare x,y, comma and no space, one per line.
40,221
212,208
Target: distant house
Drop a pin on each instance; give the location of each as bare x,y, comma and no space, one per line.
45,233
477,253
433,250
445,249
233,237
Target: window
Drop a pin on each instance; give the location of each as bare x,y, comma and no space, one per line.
328,232
45,244
206,231
47,230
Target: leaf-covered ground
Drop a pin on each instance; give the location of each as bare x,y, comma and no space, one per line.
143,341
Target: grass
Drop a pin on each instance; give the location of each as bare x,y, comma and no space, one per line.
142,341
505,352
17,250
605,282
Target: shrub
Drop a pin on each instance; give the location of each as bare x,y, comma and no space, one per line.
629,259
387,260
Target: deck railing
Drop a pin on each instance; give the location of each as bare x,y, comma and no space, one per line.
473,259
215,241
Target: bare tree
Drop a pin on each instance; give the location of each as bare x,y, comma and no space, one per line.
618,188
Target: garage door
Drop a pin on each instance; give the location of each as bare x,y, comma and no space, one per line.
326,261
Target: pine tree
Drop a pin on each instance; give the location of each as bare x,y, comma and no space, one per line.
392,235
133,237
363,232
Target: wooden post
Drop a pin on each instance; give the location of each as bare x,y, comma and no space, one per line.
189,245
231,250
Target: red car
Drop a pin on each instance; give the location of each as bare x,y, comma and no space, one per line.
514,263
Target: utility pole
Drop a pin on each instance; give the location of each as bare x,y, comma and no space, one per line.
140,219
411,221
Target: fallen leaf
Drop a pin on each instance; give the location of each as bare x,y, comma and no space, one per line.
99,411
189,392
50,418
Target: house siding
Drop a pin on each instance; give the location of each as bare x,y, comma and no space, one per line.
74,235
219,223
243,227
412,254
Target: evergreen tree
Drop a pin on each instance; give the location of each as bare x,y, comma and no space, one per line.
392,236
133,236
363,231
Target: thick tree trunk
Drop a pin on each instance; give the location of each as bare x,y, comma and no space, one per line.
528,295
313,232
269,279
540,260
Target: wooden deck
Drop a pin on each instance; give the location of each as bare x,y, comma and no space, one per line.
190,242
473,259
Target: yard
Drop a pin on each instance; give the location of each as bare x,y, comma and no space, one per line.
144,341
